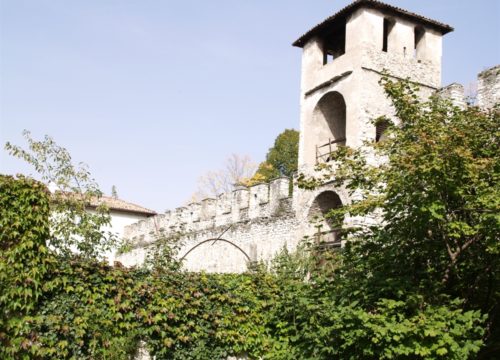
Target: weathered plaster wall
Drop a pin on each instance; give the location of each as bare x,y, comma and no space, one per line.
356,75
119,221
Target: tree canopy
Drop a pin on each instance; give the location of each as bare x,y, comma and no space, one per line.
422,282
283,156
281,159
436,194
72,226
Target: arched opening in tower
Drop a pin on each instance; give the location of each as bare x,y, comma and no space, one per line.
329,122
326,230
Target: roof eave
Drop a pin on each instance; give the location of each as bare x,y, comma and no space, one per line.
349,9
128,211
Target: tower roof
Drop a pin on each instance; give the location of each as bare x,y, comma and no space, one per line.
372,4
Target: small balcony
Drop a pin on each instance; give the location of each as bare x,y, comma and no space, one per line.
329,239
323,152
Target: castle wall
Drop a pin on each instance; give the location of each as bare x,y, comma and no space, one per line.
488,90
256,223
488,87
455,93
259,220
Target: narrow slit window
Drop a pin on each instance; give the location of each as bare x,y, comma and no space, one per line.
388,25
380,130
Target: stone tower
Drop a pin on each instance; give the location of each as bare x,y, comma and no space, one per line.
343,59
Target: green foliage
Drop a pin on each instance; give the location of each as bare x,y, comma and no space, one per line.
24,215
281,159
436,192
73,227
162,255
392,331
87,310
24,257
422,284
266,172
284,154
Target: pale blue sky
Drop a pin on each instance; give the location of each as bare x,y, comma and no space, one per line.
152,94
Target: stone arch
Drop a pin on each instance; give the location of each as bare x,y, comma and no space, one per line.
324,229
215,240
329,122
216,255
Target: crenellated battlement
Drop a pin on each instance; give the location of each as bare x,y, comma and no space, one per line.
262,219
241,205
488,90
488,87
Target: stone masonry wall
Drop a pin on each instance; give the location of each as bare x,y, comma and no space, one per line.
488,90
455,93
251,224
488,87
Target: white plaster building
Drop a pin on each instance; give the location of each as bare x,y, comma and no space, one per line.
343,59
122,214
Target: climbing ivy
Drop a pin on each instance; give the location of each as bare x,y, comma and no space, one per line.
420,284
59,308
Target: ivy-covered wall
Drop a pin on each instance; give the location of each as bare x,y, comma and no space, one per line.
60,308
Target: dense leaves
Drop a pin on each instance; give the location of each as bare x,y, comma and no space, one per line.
24,258
283,156
281,159
433,185
59,308
72,226
421,283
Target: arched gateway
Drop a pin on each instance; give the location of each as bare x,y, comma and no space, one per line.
325,230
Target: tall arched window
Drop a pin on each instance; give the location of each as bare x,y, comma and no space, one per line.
329,124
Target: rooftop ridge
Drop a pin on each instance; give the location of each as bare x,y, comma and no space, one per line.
439,26
121,205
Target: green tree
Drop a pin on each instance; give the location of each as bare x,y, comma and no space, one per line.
387,295
283,156
281,159
114,192
436,194
73,227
